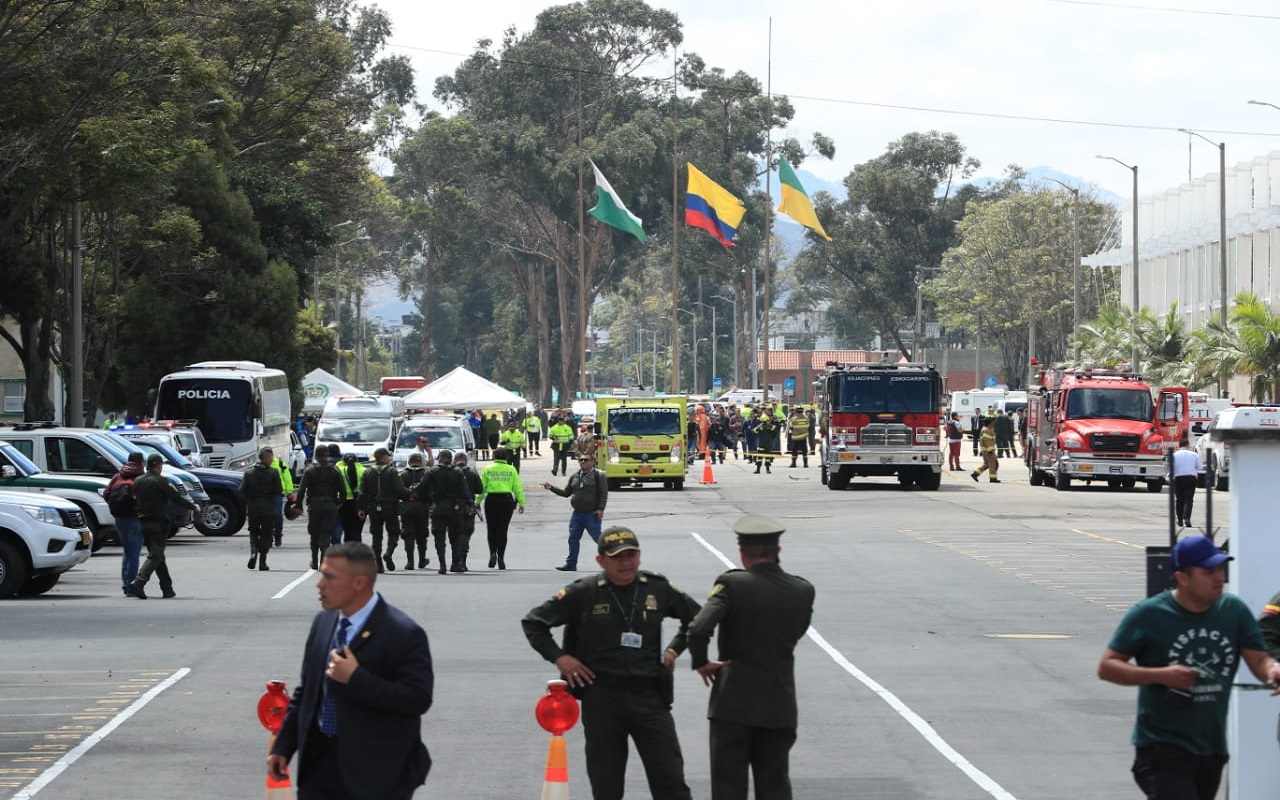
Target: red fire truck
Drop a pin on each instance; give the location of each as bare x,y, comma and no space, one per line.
881,419
1101,424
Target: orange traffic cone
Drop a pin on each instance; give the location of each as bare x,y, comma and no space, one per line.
707,476
555,785
279,790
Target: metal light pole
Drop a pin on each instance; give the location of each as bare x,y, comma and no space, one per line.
735,334
1133,323
1222,233
1075,269
693,346
713,334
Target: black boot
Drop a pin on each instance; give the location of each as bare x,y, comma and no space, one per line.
493,560
502,564
253,560
262,564
440,557
757,472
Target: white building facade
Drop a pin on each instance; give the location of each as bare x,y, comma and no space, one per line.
1178,245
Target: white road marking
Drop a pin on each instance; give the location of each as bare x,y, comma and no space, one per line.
293,584
56,769
984,781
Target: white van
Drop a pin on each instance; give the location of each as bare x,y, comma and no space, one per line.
976,401
741,397
360,424
443,432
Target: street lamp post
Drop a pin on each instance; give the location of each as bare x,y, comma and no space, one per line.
735,336
1075,269
1133,323
711,306
1222,232
693,349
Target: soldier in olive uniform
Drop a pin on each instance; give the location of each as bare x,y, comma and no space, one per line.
448,490
475,487
611,659
381,491
762,612
322,490
413,513
261,488
154,492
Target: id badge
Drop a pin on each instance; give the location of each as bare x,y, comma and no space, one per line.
378,508
632,639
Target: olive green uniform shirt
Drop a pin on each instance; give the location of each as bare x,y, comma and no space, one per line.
596,614
761,612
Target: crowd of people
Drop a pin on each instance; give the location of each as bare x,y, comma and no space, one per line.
764,432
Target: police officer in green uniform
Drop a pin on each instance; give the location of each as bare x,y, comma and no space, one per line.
413,513
611,658
562,437
762,612
500,495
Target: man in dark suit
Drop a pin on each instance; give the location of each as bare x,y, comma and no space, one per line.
761,612
355,718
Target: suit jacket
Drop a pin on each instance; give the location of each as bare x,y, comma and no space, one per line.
380,709
761,612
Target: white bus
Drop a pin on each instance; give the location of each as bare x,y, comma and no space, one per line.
239,406
360,423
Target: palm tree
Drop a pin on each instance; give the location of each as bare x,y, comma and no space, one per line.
1107,339
1248,345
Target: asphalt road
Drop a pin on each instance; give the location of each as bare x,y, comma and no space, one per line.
952,653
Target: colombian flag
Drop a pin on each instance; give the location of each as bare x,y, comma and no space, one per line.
707,205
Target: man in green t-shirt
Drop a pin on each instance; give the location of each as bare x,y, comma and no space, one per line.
1181,648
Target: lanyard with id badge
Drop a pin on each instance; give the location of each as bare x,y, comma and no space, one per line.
629,637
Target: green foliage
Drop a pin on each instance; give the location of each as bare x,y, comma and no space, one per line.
1248,345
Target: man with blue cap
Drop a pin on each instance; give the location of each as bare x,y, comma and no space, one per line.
1181,648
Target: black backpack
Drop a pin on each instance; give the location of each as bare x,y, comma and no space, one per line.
121,499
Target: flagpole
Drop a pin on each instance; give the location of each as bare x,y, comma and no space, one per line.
675,222
768,205
582,264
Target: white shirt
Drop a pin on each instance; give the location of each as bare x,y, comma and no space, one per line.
1185,462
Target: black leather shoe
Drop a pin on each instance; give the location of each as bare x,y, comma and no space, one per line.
408,564
134,590
501,564
391,565
493,560
567,568
253,560
169,595
262,566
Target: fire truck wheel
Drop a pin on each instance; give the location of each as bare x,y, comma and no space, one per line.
1035,477
929,480
839,479
1062,482
906,478
823,476
1154,486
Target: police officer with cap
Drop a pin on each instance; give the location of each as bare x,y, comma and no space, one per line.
611,659
761,611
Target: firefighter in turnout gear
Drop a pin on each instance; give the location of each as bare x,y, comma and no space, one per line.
987,446
413,514
798,437
767,447
381,491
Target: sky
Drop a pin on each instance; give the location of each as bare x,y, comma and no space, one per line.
1030,82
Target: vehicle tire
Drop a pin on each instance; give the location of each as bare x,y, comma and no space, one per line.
1128,483
13,570
839,479
1062,481
906,477
928,480
221,517
102,535
1154,486
614,484
1113,483
1035,477
678,484
1221,484
822,475
39,584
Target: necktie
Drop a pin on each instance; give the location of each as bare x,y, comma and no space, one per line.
329,709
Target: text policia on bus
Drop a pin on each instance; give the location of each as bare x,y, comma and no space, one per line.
239,406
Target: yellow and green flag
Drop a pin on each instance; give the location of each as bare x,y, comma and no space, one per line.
795,201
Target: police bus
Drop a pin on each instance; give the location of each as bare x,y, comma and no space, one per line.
240,407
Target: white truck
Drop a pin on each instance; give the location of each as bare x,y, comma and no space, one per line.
976,401
360,423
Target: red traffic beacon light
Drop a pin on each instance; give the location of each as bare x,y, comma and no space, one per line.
273,704
557,711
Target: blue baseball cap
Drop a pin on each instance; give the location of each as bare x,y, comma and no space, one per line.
1197,551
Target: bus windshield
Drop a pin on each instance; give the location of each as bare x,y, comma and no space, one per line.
1134,404
222,407
645,422
884,392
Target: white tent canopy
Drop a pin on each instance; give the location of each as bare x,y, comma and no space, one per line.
318,386
462,388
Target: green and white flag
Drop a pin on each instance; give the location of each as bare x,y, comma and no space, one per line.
610,209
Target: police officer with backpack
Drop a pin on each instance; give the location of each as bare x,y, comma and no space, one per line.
154,492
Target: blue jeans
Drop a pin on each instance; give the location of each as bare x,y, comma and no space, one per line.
577,522
129,529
